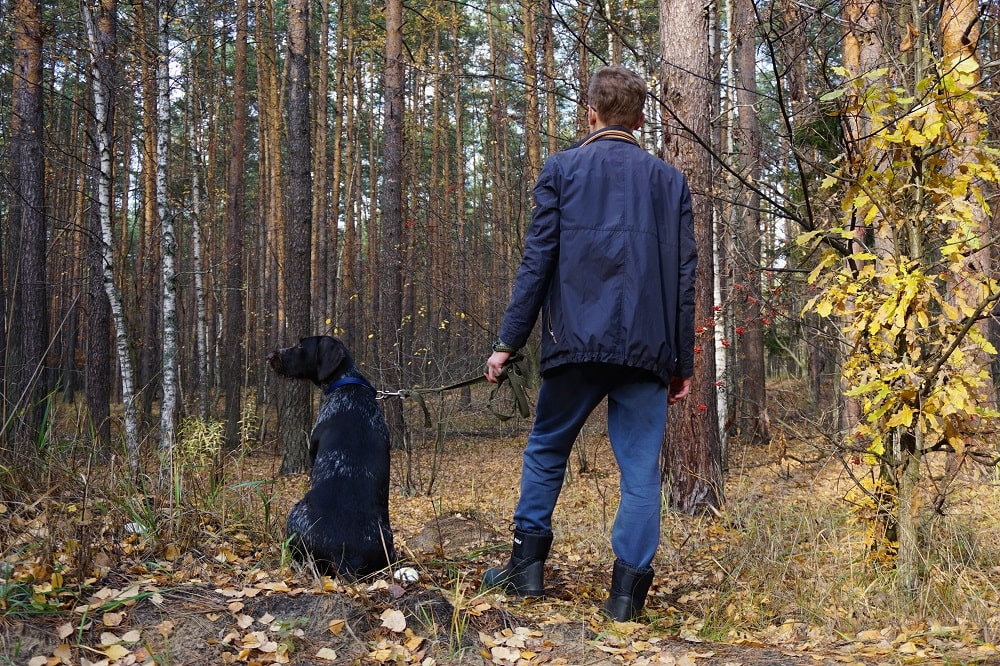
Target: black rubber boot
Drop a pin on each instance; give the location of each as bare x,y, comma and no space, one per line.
523,574
628,592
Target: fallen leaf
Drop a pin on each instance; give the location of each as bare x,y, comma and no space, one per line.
504,655
336,626
112,619
327,653
394,620
116,652
65,630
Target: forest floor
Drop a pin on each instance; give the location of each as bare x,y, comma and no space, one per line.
780,577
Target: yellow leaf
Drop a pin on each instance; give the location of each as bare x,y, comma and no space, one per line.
916,138
336,626
116,652
903,417
967,65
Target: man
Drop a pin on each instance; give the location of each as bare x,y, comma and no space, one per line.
609,261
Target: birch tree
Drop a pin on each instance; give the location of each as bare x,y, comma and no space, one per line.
168,247
103,107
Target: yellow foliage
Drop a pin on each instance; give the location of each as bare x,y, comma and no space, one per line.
917,360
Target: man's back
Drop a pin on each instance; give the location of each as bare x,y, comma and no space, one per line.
613,295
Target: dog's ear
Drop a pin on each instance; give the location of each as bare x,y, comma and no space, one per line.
330,354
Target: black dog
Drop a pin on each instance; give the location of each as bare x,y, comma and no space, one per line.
342,523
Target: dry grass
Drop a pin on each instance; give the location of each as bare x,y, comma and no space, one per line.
785,563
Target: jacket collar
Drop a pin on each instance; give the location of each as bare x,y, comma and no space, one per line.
618,132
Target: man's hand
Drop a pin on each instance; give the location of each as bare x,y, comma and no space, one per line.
678,390
495,364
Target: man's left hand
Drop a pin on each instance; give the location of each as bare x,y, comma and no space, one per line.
494,365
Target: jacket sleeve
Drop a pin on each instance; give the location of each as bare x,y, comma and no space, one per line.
538,265
685,287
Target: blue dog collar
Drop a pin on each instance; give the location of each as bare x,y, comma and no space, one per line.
344,381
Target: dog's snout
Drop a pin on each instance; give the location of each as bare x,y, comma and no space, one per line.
274,360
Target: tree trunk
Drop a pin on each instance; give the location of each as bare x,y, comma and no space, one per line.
233,332
751,388
692,450
322,263
168,242
295,396
271,210
549,69
103,95
201,346
148,292
98,345
532,122
390,256
27,258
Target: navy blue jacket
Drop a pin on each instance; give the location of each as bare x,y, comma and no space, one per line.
610,261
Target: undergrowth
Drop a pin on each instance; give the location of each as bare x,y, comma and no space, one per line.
786,560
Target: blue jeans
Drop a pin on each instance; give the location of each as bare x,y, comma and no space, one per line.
637,415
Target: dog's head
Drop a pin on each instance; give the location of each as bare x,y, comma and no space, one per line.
320,359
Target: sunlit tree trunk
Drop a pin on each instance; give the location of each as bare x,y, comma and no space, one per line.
549,69
692,450
583,12
532,122
295,396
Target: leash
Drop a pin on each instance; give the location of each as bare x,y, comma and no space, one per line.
513,372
